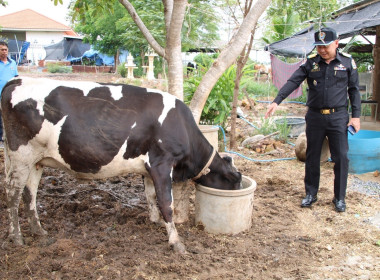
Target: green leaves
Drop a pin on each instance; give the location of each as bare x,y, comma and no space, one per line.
100,29
285,17
219,103
56,2
200,27
82,9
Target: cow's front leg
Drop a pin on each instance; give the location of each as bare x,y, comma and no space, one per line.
29,197
163,187
180,197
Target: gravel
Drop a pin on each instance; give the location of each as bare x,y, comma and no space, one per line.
365,187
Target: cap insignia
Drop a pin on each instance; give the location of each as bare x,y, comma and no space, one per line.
322,35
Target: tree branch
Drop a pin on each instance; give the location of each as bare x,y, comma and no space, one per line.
148,36
226,58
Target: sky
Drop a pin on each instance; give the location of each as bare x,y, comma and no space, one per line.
44,7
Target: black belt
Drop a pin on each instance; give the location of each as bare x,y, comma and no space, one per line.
327,111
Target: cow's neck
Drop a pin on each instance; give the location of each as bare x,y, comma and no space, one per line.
190,166
201,155
205,170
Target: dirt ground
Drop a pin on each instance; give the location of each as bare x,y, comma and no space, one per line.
101,230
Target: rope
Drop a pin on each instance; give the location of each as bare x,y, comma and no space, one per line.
206,169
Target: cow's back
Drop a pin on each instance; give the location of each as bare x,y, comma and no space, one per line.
85,126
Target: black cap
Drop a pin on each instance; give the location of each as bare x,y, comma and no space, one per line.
324,37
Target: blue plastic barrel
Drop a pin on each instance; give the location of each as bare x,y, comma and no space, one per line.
364,151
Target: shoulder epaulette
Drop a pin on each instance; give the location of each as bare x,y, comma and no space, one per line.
346,54
312,55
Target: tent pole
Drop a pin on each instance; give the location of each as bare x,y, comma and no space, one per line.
376,71
365,38
18,50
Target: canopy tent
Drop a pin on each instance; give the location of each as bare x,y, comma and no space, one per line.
74,50
100,58
359,18
66,49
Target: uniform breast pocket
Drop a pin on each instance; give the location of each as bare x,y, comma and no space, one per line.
314,79
340,78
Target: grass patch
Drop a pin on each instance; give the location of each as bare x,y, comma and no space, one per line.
57,68
259,89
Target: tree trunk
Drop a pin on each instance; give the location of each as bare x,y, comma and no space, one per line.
226,58
174,49
116,61
239,72
376,72
142,55
168,11
241,62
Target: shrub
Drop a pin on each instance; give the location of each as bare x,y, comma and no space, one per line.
122,70
56,68
218,104
267,127
284,129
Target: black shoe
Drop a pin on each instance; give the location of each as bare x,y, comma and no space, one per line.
340,205
308,200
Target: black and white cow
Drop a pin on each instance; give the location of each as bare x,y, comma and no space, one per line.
97,131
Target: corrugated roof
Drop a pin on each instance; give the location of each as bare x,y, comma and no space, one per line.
361,20
29,20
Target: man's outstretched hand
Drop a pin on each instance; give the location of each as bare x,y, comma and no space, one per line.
271,109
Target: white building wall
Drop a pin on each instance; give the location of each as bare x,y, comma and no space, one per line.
38,40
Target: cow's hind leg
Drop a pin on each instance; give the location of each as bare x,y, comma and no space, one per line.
14,186
29,196
150,194
162,184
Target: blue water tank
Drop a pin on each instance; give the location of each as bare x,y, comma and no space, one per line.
364,151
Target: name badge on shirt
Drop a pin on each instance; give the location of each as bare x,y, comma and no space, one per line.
340,67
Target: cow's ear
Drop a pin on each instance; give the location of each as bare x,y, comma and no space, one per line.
228,159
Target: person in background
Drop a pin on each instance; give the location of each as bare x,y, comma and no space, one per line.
8,70
330,75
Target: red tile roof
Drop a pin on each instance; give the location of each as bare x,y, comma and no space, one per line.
29,20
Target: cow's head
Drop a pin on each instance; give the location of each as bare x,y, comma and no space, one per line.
223,175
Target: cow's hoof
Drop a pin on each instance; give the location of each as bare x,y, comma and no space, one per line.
179,248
